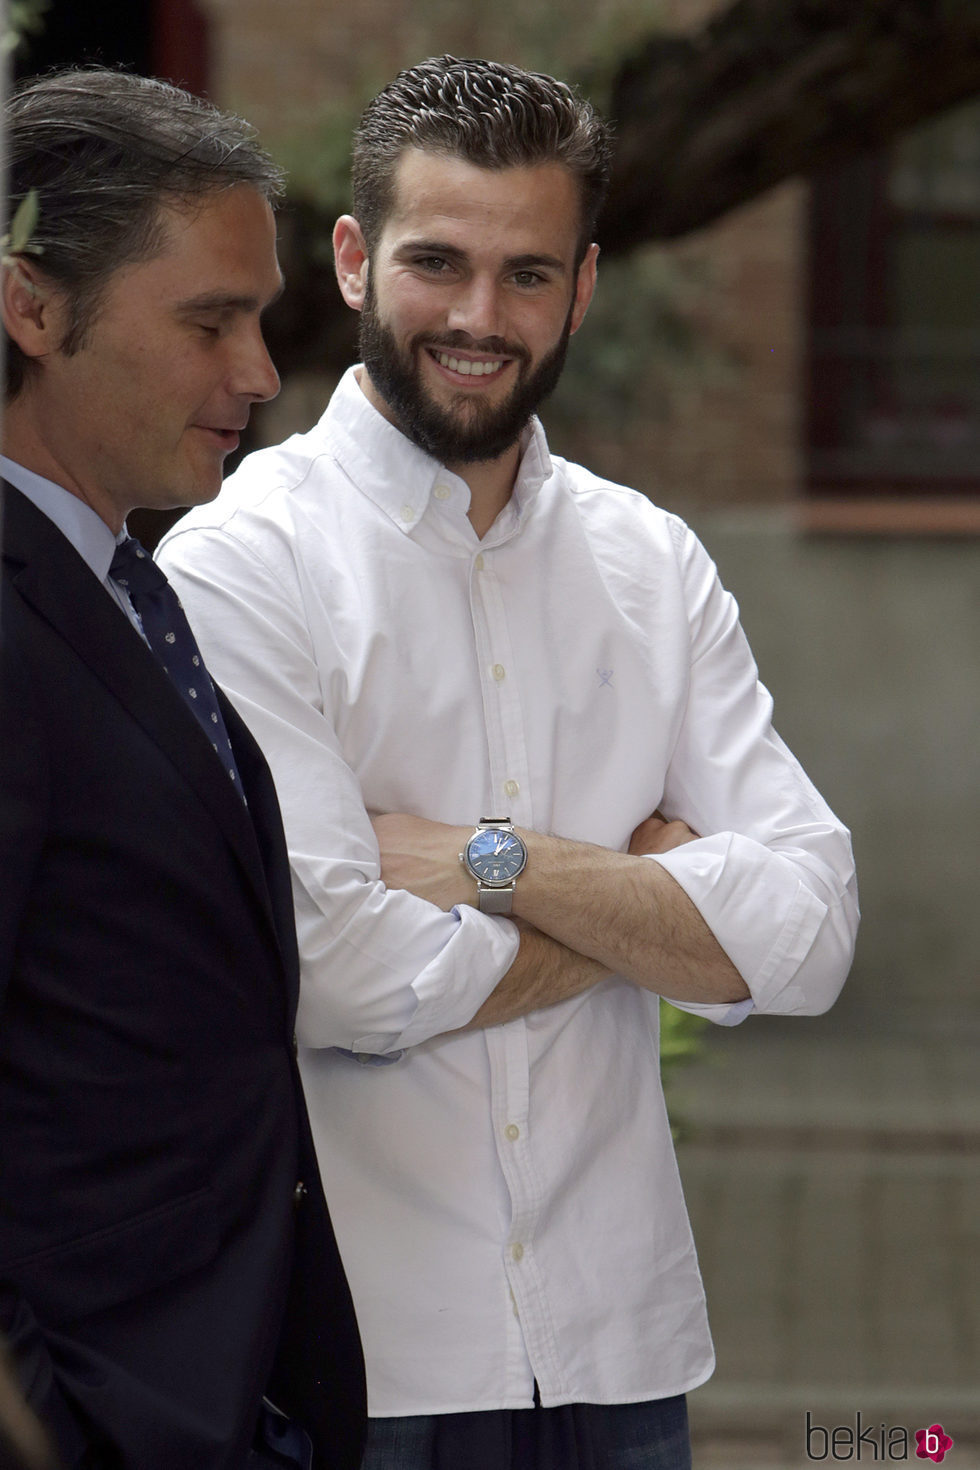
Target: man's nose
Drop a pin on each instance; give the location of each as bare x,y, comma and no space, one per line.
476,309
254,374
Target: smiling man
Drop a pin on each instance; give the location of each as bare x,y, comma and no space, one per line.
147,401
461,246
501,697
170,1286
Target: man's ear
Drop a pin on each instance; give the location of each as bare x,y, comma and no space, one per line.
584,286
30,316
31,306
350,260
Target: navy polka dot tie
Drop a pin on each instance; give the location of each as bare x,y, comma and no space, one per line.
168,633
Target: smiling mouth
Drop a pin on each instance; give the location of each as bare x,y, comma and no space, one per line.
227,437
468,367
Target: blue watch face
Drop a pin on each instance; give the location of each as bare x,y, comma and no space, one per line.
496,857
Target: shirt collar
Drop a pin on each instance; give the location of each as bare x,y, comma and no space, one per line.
398,476
83,527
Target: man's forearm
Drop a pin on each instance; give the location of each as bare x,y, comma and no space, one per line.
628,914
544,973
618,909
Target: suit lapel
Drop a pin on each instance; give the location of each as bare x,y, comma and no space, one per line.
263,804
51,576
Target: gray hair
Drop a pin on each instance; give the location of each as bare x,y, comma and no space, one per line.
105,150
491,115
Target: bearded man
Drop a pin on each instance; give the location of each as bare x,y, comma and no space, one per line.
501,698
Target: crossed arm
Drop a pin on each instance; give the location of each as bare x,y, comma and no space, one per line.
384,969
583,912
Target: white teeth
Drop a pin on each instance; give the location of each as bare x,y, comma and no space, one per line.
465,366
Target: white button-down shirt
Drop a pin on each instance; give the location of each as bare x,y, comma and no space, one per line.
507,1201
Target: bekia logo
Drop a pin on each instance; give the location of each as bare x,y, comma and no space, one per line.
933,1443
874,1441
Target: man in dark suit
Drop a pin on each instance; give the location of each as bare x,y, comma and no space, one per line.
167,1266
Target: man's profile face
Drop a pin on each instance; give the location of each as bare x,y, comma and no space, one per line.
149,406
471,296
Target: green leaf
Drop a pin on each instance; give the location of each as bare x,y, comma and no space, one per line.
24,223
23,18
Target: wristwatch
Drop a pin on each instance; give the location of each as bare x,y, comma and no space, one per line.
494,856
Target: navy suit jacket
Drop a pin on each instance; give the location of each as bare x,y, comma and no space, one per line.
166,1257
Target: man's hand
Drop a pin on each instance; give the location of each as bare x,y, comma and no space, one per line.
656,834
423,858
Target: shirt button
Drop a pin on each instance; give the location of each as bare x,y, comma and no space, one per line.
442,492
511,788
300,1193
499,672
479,563
408,513
512,1131
517,1251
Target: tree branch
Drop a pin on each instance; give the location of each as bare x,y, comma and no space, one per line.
769,89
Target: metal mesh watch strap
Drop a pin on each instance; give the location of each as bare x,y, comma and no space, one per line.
494,900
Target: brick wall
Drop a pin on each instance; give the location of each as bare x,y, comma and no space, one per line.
735,438
723,434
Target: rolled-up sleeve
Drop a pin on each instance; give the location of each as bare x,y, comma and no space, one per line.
773,872
382,969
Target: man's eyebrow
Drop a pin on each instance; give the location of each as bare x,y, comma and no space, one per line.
429,247
226,301
529,261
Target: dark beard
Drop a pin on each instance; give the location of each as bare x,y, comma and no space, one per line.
469,431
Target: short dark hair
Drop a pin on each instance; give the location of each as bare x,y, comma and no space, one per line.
105,150
489,114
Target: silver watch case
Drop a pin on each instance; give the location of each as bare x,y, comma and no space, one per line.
495,865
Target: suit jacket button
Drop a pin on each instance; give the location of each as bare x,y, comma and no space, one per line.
300,1193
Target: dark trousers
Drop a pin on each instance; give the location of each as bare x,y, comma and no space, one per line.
647,1436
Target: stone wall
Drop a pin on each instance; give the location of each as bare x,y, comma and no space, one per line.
867,645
